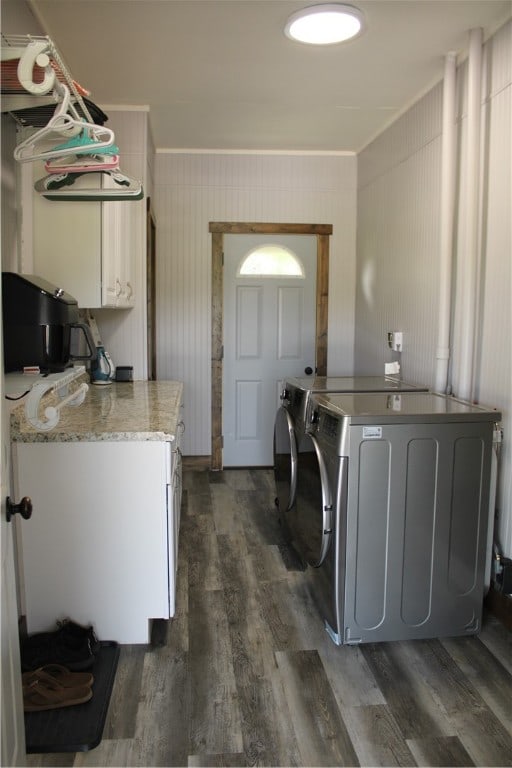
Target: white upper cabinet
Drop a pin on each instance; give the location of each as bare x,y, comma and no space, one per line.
93,250
87,248
119,223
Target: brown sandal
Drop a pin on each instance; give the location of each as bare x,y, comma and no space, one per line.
42,694
59,674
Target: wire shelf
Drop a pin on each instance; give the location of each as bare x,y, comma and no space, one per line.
15,98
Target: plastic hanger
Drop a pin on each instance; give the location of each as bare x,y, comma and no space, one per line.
62,96
82,144
85,163
97,138
60,187
94,138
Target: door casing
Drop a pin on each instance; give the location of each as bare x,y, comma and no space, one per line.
151,290
218,229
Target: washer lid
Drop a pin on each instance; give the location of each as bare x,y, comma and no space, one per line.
403,407
353,384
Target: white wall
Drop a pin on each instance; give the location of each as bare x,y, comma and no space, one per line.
398,248
192,190
397,235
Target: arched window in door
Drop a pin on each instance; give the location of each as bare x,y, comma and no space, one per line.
271,260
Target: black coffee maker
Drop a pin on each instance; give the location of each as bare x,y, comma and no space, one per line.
39,322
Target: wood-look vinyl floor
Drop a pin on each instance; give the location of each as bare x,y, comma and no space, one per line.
248,676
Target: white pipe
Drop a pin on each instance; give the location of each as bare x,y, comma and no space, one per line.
447,221
469,263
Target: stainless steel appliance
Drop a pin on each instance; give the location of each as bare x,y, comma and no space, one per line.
290,438
392,510
38,322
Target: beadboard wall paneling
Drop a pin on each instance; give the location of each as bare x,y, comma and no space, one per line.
493,362
130,126
497,73
397,243
413,130
398,248
493,349
192,190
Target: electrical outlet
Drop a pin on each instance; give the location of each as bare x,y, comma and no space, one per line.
395,340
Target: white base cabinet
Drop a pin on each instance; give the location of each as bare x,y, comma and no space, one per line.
101,546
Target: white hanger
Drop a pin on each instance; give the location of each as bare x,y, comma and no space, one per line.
120,187
65,120
100,137
62,96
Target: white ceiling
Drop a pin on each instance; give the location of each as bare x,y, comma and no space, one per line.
220,74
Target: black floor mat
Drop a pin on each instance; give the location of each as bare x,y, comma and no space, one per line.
78,728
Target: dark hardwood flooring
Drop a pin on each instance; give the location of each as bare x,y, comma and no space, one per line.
246,674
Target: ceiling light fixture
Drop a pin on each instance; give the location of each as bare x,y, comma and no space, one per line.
325,24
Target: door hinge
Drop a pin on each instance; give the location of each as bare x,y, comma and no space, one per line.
222,258
222,441
222,352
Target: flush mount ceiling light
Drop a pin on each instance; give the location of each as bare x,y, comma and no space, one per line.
325,24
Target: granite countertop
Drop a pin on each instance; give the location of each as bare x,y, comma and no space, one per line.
138,410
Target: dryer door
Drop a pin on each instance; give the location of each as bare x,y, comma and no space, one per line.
310,518
285,459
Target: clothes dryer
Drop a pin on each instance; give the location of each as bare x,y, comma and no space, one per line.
392,510
290,436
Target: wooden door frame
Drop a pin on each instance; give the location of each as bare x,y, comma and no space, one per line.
220,228
151,291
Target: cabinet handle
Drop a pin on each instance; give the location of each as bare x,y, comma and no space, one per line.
130,290
24,508
118,287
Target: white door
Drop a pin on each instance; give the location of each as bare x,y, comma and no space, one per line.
269,336
13,728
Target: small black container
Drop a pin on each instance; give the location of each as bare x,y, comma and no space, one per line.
124,373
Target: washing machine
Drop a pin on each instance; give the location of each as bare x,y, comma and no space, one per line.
391,510
290,437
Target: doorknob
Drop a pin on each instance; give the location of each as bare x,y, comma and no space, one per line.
24,508
308,370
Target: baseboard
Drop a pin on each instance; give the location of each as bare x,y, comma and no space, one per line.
197,462
500,605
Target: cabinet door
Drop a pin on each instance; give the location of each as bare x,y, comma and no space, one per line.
67,245
119,219
176,504
111,244
87,247
96,546
131,217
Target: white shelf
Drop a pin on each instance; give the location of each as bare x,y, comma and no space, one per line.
14,98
